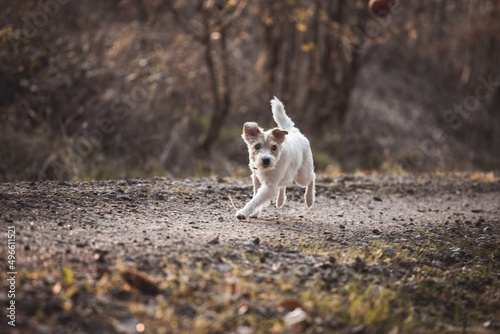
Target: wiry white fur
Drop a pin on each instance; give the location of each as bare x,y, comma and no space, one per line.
279,115
294,163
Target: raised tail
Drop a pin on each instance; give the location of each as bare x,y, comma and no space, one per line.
279,115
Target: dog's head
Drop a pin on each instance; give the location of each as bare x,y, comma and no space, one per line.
264,147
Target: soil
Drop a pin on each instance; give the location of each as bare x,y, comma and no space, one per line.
139,225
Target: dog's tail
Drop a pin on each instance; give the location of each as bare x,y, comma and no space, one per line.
280,116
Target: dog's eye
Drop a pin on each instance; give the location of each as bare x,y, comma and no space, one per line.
274,148
257,146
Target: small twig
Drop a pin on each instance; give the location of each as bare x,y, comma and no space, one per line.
232,203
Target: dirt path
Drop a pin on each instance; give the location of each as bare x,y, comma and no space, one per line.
138,223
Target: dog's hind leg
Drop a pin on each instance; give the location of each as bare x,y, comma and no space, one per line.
309,195
280,201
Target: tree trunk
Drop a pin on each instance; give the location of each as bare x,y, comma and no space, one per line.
220,93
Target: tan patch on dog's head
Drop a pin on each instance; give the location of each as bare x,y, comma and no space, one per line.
251,132
279,134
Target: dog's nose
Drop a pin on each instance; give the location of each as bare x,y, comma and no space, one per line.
266,161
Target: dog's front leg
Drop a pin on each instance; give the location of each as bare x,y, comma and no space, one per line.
256,184
264,194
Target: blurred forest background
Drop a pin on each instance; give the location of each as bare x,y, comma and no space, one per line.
122,88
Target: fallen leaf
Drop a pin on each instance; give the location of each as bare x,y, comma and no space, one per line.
140,281
296,316
291,304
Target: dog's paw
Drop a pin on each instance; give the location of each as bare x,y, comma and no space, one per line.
241,215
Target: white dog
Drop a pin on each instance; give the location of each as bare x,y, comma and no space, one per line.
277,158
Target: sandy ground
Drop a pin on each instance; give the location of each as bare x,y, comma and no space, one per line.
70,222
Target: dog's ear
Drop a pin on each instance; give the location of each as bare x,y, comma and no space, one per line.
251,131
279,134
